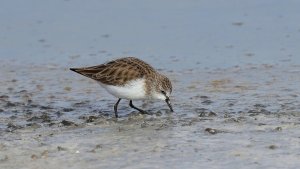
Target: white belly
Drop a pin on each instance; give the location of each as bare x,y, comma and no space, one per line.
134,90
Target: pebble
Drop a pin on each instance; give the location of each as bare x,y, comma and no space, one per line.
211,131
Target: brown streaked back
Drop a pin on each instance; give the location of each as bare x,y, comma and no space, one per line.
117,72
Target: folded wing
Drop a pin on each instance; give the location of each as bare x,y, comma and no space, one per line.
116,72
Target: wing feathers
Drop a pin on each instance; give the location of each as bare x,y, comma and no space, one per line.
117,72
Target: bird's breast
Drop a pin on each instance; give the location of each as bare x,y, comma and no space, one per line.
132,90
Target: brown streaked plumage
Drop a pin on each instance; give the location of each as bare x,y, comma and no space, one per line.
129,78
117,72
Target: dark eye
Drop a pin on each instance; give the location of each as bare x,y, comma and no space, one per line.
163,92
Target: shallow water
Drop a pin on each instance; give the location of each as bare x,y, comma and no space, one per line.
234,66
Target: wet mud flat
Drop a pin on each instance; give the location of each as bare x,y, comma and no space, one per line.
238,117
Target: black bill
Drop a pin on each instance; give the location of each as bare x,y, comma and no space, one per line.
169,104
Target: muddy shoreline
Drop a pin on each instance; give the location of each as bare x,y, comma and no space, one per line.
236,116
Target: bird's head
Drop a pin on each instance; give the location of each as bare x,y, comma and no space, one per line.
163,90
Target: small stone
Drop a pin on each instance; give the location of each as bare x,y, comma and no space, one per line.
59,148
98,146
211,131
278,128
272,147
68,123
204,97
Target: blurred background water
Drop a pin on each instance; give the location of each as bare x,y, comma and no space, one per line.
194,33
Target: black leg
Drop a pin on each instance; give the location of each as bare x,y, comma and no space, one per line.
116,108
140,110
